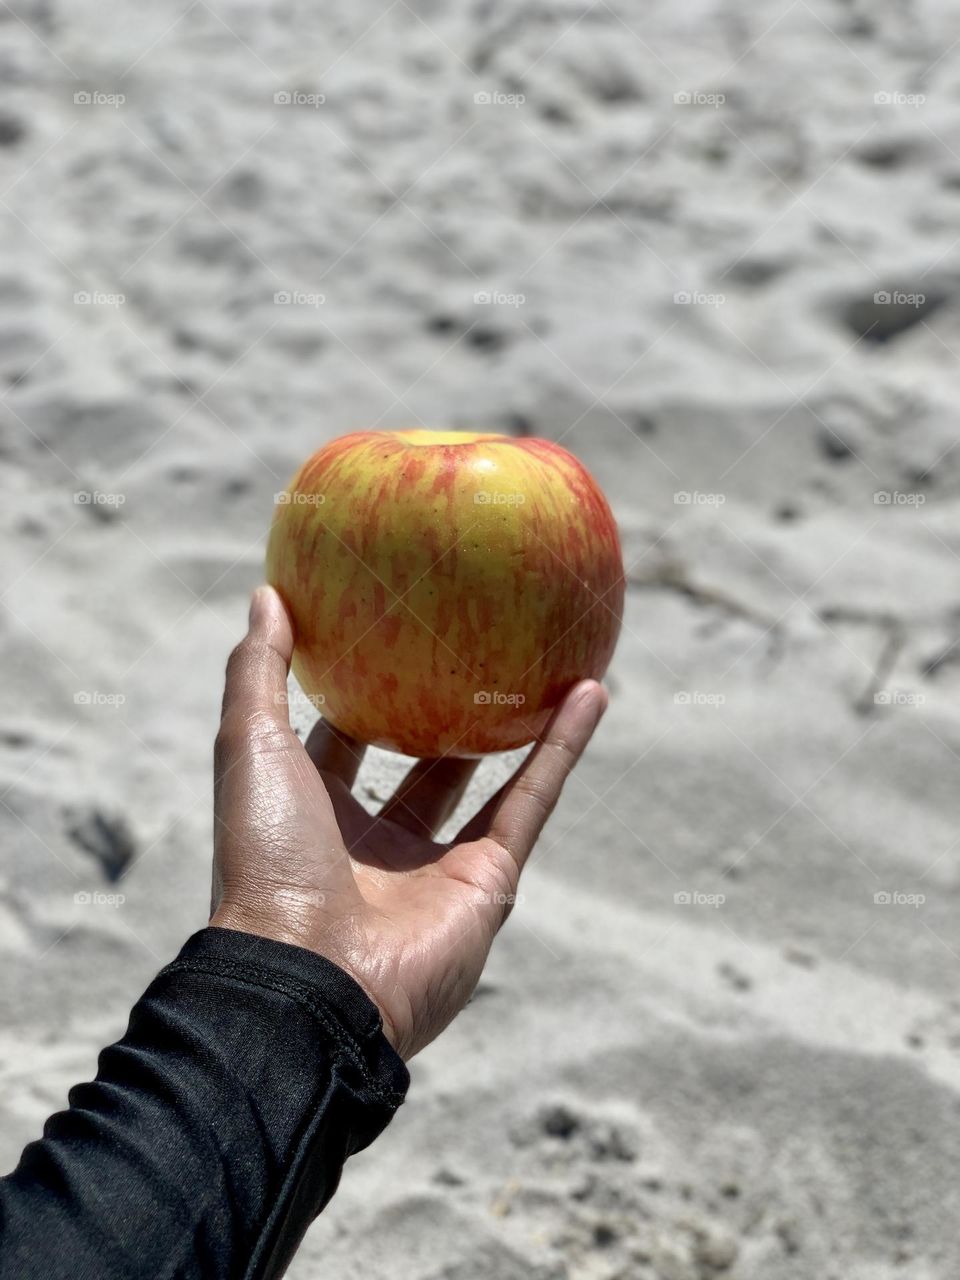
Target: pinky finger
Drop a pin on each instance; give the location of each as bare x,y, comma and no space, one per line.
515,815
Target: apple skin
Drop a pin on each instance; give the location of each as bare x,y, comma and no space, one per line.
446,588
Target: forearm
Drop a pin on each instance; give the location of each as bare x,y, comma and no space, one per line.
216,1129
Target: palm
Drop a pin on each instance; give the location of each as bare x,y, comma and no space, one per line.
419,900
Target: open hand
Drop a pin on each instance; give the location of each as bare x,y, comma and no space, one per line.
299,859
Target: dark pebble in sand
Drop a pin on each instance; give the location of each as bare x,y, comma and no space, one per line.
31,527
604,1236
519,425
486,339
553,113
734,978
559,1122
833,446
883,314
440,324
787,513
107,838
12,131
642,424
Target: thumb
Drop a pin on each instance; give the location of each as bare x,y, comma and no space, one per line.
255,695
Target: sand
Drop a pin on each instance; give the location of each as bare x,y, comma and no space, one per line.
704,1045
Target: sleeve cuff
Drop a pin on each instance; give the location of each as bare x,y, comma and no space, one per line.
335,999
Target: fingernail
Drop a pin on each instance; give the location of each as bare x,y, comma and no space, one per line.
594,693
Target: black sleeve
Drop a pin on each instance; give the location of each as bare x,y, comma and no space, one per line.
216,1129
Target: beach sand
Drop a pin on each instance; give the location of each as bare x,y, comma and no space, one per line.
720,1035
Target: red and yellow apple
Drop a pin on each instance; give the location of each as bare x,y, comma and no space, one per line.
446,588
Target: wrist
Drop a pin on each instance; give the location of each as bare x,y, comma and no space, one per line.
241,920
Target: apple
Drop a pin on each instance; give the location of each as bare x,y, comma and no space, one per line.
447,588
